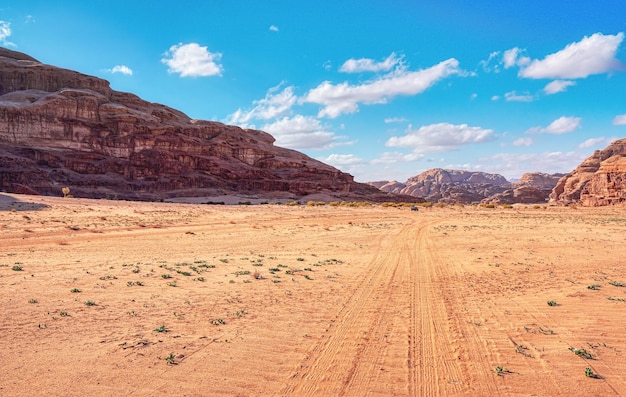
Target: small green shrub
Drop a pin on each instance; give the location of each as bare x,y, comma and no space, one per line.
90,303
594,287
552,303
160,329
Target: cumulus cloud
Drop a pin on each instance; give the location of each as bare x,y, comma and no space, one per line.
275,104
515,164
441,137
557,86
397,157
512,58
123,69
592,55
5,32
523,142
620,120
192,60
302,132
274,28
369,65
513,96
395,120
345,98
342,160
562,125
593,142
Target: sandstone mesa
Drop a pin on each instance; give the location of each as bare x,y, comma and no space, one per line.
62,128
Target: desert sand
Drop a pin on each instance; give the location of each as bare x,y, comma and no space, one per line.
112,298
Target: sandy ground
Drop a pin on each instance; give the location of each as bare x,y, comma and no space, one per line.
111,298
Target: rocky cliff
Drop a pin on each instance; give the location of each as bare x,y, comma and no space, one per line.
449,186
62,128
599,180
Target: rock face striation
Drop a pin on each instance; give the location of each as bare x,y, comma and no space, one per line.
532,188
454,186
450,186
599,180
62,128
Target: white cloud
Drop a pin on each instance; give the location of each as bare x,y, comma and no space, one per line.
487,64
192,60
390,120
523,142
592,142
274,28
123,69
512,58
344,98
620,120
273,105
495,98
397,157
5,32
513,165
369,65
441,137
339,160
302,132
557,86
513,96
591,55
562,125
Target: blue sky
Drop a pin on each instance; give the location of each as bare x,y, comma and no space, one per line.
381,89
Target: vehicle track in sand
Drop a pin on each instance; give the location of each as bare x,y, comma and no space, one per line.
393,336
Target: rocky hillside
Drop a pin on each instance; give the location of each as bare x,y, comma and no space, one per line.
450,186
454,186
599,180
62,128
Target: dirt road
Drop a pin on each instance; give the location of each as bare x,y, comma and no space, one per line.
118,298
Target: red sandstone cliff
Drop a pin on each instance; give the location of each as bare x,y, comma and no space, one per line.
62,128
599,180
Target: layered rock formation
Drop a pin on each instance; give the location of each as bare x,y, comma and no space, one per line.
450,186
532,188
599,180
62,128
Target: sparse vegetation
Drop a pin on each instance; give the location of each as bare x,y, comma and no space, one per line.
582,352
90,303
616,283
17,268
160,329
594,287
552,303
74,290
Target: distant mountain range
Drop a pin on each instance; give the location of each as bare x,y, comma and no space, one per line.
60,128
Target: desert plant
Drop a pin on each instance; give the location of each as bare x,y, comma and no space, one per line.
74,290
616,283
594,287
33,301
172,284
552,303
611,298
90,303
66,192
171,359
160,329
589,373
17,268
217,321
166,276
582,352
500,370
64,314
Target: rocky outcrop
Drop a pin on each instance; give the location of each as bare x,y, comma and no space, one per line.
599,180
532,188
62,128
389,187
539,180
519,195
449,186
